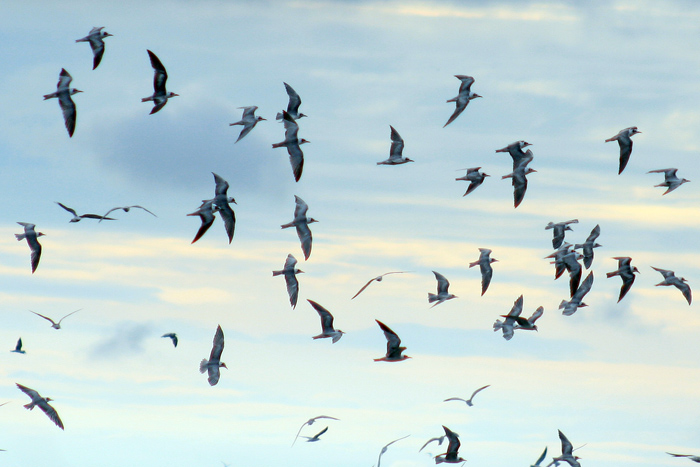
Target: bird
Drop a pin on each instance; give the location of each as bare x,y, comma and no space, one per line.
18,347
31,236
442,293
222,204
463,98
626,272
559,264
160,76
290,272
528,324
172,336
248,120
519,176
63,94
680,283
588,245
576,301
293,106
540,459
393,345
484,263
212,365
311,439
206,214
396,151
475,177
386,446
78,218
689,456
624,139
452,454
310,422
567,455
42,403
572,265
516,152
468,401
292,143
126,209
439,440
378,279
671,180
96,39
507,325
327,329
559,229
54,324
301,223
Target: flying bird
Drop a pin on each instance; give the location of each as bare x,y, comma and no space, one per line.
126,209
18,347
475,178
206,214
540,459
311,439
559,264
689,456
396,151
528,324
452,454
516,152
292,143
519,176
442,293
310,422
54,324
671,180
212,365
42,403
624,139
96,39
301,223
484,263
393,345
567,455
222,203
290,271
378,279
160,95
680,283
78,218
463,98
558,230
64,93
439,440
386,446
468,401
327,329
572,265
293,106
172,336
588,245
576,301
31,236
507,325
626,272
248,120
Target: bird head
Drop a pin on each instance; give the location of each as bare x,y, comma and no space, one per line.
106,34
524,144
40,234
75,91
172,94
529,171
302,141
409,160
485,174
261,119
311,220
298,271
634,269
474,96
231,200
223,365
302,115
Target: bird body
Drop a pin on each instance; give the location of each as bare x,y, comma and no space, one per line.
588,245
624,140
172,337
680,283
463,98
484,263
78,218
214,363
519,176
290,271
160,95
222,203
442,294
576,301
626,272
301,223
671,180
327,329
567,455
396,151
310,422
452,454
393,345
475,178
293,106
292,143
31,235
558,230
248,121
516,152
63,94
42,403
507,326
96,39
206,214
18,347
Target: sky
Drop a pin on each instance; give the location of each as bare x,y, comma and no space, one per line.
620,379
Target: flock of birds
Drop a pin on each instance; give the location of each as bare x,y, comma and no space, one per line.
566,256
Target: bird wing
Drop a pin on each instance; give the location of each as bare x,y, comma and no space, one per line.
300,208
664,272
478,390
442,283
217,348
326,316
229,218
439,439
64,80
305,238
453,439
364,287
396,144
486,275
515,311
625,143
594,234
292,287
70,210
294,100
566,446
447,400
296,159
50,412
160,76
45,317
290,126
18,347
98,49
542,456
290,262
221,185
393,341
207,218
59,321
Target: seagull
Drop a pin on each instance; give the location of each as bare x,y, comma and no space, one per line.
528,324
31,235
290,272
293,106
567,455
311,422
516,152
248,120
214,363
54,324
77,218
292,143
126,209
467,401
43,404
160,95
222,203
463,98
451,456
559,230
396,151
439,440
559,264
327,329
378,279
670,278
588,246
572,265
18,347
96,40
393,345
63,93
540,459
624,139
484,263
311,439
301,222
626,271
475,177
384,449
689,456
442,294
206,214
671,180
519,176
570,307
172,336
507,325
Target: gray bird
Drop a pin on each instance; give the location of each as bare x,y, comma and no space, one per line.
378,279
484,263
575,270
576,301
442,294
42,403
679,282
127,209
540,459
626,272
160,76
248,121
96,39
567,455
559,229
54,324
384,449
671,180
293,106
301,223
393,345
519,178
327,329
624,139
214,363
31,235
475,178
463,98
316,437
290,271
18,347
292,143
310,422
439,440
689,456
467,401
508,325
588,245
78,218
452,454
528,324
172,337
516,152
222,204
63,94
559,264
396,151
206,214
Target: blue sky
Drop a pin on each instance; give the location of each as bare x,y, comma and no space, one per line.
621,378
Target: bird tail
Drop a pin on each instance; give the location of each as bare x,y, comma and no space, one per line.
497,325
203,365
19,237
279,116
609,274
29,406
277,273
432,298
475,263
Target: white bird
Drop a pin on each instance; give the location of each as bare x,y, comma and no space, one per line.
576,301
301,223
206,214
393,345
507,325
212,365
588,245
442,294
160,76
96,39
567,455
528,324
463,98
484,263
316,437
386,446
18,347
327,329
475,178
54,324
519,176
310,422
516,152
671,180
559,264
64,93
127,209
78,218
31,236
292,143
378,279
452,454
626,272
396,151
222,203
248,120
468,401
624,140
559,229
293,106
439,440
680,283
172,337
290,271
42,403
572,265
689,456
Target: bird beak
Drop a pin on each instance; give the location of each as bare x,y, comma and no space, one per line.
487,175
300,271
475,96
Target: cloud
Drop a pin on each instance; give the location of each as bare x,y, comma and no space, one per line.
126,339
